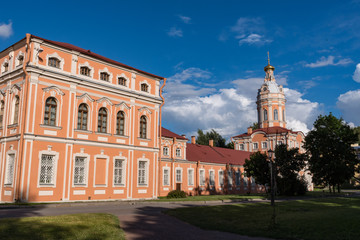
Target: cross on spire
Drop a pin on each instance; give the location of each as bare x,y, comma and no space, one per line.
268,58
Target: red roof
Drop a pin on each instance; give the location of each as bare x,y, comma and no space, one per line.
269,130
202,153
89,53
167,133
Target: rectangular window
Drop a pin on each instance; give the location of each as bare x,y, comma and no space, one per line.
166,178
279,142
221,178
47,165
142,173
10,166
245,181
255,146
202,177
264,145
178,152
190,177
212,178
79,171
178,175
166,151
119,172
242,147
237,178
230,179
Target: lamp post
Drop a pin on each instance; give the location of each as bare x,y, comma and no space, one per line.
271,155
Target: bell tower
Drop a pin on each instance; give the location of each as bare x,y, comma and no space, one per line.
271,101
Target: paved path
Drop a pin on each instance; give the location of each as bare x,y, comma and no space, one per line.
140,220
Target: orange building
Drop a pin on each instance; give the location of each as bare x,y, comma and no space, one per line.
75,125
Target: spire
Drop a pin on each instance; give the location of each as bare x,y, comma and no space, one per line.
268,58
268,66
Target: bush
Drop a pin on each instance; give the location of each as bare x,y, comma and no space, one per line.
291,187
176,194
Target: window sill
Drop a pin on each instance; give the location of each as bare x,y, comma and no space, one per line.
46,185
142,185
144,139
83,131
50,126
102,133
13,125
119,185
121,136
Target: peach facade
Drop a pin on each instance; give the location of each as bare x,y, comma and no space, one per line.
75,125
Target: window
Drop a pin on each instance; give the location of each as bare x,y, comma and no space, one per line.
82,117
264,145
102,120
120,123
2,105
142,173
253,183
104,76
144,87
20,60
54,62
279,142
122,81
80,171
143,127
10,165
202,177
255,146
237,178
178,152
50,111
242,146
6,67
230,179
245,181
47,172
16,110
166,179
212,178
85,71
221,178
178,175
276,117
190,177
265,115
166,151
119,172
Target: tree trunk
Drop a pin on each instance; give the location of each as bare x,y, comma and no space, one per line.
338,188
330,188
334,189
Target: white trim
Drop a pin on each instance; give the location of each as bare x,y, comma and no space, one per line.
163,174
147,162
86,64
124,167
105,70
212,170
202,170
223,180
148,85
86,172
181,175
57,56
101,156
192,177
55,163
8,153
122,75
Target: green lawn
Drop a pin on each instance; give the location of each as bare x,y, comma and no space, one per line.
77,226
214,198
329,218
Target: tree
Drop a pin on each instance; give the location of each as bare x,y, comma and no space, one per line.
332,159
203,138
258,168
357,131
255,125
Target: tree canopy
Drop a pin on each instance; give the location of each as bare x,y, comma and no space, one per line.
219,141
255,125
332,159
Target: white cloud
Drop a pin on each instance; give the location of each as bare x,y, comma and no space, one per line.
348,103
6,30
252,39
356,75
329,61
228,110
185,19
175,32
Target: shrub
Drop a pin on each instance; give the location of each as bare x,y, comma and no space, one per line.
176,194
291,186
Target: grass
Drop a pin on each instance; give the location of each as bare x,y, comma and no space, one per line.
327,218
77,226
214,198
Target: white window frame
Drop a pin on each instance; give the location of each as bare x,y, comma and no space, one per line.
8,164
105,70
55,55
20,54
230,178
255,144
245,181
123,172
238,178
86,169
168,176
148,85
201,181
166,153
122,75
264,143
176,175
55,164
101,156
221,177
146,184
212,181
86,64
190,176
242,146
178,152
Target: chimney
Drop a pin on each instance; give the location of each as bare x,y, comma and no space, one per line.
249,130
193,139
211,143
184,136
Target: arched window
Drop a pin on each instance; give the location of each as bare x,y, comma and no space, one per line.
102,120
20,60
85,71
1,113
16,110
276,117
144,87
265,115
54,62
142,127
82,117
120,123
122,81
50,111
283,115
6,67
104,76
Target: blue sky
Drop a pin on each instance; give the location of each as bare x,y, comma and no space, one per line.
213,52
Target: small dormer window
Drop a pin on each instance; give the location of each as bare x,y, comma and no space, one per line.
6,67
54,62
144,87
85,71
104,76
122,81
20,60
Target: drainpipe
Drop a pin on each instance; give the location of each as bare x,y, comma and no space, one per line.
160,138
22,141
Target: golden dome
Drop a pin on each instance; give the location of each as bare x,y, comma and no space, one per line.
269,66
